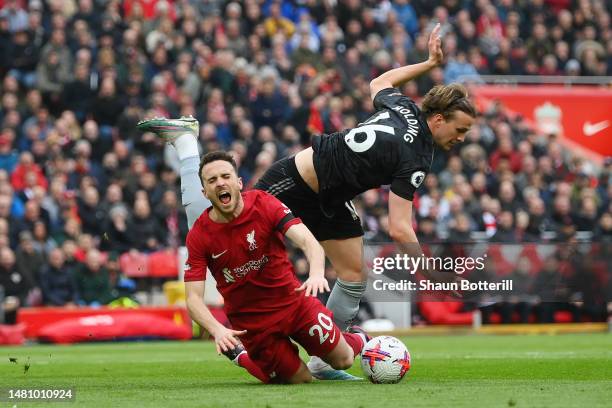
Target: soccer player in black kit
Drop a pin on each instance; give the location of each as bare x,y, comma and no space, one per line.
395,146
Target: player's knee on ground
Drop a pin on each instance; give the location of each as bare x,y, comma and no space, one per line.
341,358
343,363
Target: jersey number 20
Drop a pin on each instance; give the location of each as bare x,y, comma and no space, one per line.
325,324
370,133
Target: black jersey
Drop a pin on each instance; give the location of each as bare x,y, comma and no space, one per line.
393,146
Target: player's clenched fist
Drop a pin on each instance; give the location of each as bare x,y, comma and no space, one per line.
225,339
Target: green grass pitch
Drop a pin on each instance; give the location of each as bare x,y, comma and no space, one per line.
447,371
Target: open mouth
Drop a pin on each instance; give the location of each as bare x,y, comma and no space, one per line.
225,197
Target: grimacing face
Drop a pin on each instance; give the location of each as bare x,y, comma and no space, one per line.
222,186
447,133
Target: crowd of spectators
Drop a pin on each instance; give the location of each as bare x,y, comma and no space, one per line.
78,182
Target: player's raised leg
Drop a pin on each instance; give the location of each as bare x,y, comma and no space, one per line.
183,134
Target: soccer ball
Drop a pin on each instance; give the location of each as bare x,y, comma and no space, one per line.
385,360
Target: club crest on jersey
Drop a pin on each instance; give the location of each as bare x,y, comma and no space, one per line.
417,178
227,274
250,237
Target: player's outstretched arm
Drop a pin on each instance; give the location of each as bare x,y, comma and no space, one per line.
401,231
225,339
400,224
398,76
301,236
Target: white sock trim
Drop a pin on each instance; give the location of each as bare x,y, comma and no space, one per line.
235,361
186,146
363,337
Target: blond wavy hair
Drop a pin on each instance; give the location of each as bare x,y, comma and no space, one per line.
446,100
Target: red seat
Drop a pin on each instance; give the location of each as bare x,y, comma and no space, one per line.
502,266
445,313
530,251
134,265
563,316
163,264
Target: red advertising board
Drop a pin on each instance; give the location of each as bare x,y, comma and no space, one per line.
582,115
36,318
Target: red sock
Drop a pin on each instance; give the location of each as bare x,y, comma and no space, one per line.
245,362
355,341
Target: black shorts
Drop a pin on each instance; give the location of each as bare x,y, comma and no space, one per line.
283,181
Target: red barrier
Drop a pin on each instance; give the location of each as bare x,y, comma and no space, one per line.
106,327
12,334
445,313
37,317
581,115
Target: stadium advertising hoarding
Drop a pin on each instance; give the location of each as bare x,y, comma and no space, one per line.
581,115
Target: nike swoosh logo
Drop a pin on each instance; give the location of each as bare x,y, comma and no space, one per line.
215,256
590,129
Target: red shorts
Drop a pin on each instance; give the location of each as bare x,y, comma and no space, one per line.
310,324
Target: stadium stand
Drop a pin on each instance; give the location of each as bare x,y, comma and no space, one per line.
262,76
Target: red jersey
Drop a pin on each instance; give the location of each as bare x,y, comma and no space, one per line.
247,257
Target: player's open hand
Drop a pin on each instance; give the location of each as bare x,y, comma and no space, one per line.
314,286
226,339
435,46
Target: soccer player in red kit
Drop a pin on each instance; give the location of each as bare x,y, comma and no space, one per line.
240,239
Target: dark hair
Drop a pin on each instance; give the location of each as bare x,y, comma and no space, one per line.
445,100
215,156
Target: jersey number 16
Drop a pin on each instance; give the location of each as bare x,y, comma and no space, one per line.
370,133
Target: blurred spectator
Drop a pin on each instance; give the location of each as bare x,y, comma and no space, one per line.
51,75
505,152
107,106
8,156
29,261
520,302
14,284
276,23
26,166
145,226
458,69
505,228
78,94
172,219
116,236
57,281
92,281
550,287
